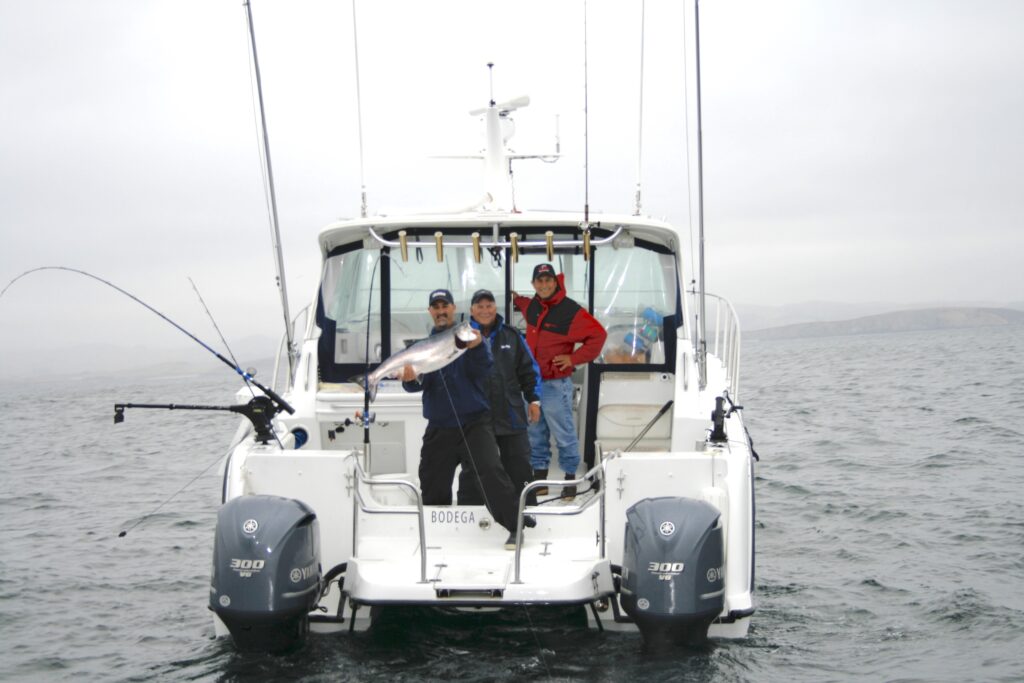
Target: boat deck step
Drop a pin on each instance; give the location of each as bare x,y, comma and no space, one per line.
552,569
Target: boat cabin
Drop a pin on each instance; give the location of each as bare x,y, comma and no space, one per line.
372,303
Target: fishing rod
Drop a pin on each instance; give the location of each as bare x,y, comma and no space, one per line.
275,400
216,327
275,227
366,417
140,520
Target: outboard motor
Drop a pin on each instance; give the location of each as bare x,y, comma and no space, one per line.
673,583
266,571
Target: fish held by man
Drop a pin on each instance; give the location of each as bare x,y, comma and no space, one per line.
426,355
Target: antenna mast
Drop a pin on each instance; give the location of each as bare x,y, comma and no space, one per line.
359,114
702,350
586,138
275,227
640,131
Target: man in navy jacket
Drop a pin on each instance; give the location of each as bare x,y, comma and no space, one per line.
512,391
459,428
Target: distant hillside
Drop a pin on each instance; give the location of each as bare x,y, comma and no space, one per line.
758,317
896,321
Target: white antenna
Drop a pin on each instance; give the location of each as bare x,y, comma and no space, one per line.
640,132
275,227
490,79
586,139
359,114
702,350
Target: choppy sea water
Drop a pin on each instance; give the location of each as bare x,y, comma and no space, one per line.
890,535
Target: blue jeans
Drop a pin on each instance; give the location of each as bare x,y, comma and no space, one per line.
555,418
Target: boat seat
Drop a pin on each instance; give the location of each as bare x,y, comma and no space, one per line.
619,423
627,402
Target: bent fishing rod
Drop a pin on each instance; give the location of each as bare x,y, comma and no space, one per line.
272,402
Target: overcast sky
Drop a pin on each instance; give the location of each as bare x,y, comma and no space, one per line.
854,150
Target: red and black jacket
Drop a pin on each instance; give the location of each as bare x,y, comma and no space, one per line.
555,326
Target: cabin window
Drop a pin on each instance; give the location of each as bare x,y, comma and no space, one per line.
634,291
412,282
347,297
572,266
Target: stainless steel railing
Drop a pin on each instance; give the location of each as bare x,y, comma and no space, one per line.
723,330
596,474
359,504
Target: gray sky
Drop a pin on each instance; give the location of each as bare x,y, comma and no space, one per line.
855,150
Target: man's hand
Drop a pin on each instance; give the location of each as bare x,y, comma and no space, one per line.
534,412
475,341
408,373
562,362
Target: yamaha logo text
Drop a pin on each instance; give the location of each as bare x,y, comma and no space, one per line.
300,573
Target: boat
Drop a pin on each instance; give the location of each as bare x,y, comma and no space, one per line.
322,518
323,525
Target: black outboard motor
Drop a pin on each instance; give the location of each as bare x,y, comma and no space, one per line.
266,571
673,583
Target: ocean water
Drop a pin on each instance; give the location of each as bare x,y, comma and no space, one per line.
890,535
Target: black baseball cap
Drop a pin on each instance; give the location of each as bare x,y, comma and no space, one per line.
543,270
441,295
482,294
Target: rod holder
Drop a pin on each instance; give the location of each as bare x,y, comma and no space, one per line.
514,244
439,244
549,238
476,246
586,244
403,242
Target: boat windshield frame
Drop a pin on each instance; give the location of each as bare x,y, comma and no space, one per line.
632,286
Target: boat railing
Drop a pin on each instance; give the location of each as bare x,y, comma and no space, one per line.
723,330
361,505
594,477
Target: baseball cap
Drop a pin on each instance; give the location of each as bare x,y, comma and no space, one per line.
441,294
482,294
542,270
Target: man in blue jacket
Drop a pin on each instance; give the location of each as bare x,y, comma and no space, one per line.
459,430
512,391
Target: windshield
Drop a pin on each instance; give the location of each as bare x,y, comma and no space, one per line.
634,290
411,283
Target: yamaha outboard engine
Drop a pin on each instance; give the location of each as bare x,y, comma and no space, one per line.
672,569
266,571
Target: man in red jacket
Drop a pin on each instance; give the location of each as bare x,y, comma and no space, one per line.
555,324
